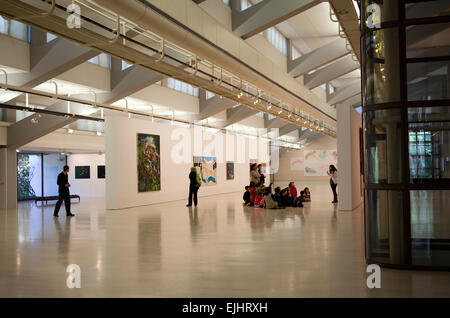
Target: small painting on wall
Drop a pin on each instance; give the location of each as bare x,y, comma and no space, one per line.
82,172
230,170
100,172
148,165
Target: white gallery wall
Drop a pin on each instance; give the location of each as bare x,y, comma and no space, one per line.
86,188
175,160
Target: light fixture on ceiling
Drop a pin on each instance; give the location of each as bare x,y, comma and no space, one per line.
70,131
17,150
280,112
99,133
290,115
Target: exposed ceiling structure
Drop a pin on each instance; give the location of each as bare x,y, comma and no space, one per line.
327,58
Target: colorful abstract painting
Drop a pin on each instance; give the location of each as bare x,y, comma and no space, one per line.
206,169
297,164
82,172
316,162
230,170
149,169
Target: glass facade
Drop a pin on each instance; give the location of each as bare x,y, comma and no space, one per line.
37,174
406,83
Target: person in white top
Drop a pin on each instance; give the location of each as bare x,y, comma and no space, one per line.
333,173
254,175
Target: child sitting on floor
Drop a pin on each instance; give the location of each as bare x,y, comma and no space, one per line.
259,200
307,195
246,196
252,191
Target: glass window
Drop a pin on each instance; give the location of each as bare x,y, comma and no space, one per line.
381,67
102,60
182,87
53,165
295,53
13,28
428,40
383,141
51,37
429,153
3,25
125,65
209,95
29,176
384,222
430,227
428,81
425,9
245,4
276,39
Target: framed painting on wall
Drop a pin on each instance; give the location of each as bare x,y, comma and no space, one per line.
206,169
82,172
148,163
317,162
100,172
230,170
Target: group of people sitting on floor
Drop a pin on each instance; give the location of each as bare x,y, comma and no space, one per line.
258,195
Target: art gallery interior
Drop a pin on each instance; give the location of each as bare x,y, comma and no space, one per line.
131,94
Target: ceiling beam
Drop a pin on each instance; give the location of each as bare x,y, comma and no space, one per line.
265,14
274,122
317,58
341,94
287,129
330,72
212,106
48,60
237,114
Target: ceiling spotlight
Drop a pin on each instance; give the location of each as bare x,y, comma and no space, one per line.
220,96
99,133
269,107
298,119
70,131
290,115
17,150
280,112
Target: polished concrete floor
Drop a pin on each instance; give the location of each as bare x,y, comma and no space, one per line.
220,249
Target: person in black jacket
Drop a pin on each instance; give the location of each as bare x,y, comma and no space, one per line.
193,186
63,190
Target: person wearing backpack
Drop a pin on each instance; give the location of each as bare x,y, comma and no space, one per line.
194,184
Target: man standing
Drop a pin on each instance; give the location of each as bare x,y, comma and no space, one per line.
63,189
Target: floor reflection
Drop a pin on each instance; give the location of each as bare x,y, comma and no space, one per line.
218,249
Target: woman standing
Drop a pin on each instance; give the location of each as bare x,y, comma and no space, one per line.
262,177
333,173
254,175
194,185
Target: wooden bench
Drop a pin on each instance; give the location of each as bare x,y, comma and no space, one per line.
54,198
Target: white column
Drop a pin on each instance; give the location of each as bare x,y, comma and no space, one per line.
350,181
